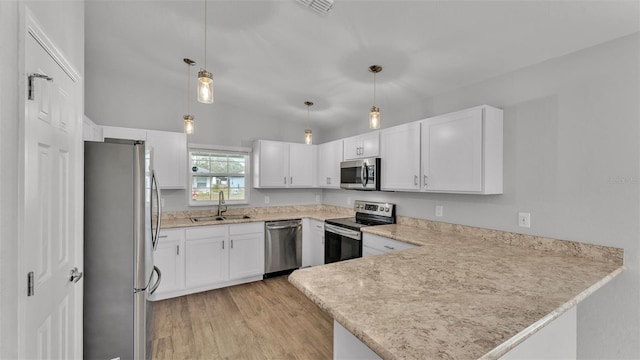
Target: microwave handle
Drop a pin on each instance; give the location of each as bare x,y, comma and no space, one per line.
364,174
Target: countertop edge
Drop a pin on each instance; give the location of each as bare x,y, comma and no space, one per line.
517,339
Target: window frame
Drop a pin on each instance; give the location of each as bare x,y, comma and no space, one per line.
227,150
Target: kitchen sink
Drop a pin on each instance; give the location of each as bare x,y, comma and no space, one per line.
197,219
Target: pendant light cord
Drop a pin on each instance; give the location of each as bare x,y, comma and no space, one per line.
188,86
205,34
374,89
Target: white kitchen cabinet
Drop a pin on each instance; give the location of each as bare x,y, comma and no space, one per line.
246,250
362,146
206,255
400,157
169,152
374,245
169,158
329,158
312,242
462,152
278,164
301,165
169,258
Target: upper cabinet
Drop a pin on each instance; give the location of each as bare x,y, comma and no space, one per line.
169,152
329,158
362,146
169,158
400,157
462,152
278,164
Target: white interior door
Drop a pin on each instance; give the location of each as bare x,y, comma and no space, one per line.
50,318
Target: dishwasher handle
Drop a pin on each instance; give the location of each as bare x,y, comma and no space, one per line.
280,227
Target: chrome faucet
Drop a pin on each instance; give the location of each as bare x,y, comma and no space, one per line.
220,202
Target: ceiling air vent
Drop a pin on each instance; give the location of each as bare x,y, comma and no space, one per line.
319,6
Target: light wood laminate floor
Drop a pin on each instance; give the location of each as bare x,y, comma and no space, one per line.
268,319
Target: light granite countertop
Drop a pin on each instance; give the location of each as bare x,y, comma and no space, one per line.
179,219
460,294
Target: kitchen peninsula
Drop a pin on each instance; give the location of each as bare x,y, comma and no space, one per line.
464,293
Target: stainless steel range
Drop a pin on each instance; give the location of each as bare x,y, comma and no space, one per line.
343,238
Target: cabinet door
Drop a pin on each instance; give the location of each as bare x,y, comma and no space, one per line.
246,255
317,242
452,152
400,153
169,258
352,147
301,165
329,158
370,144
206,257
273,163
169,158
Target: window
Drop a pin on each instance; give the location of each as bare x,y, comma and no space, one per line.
213,171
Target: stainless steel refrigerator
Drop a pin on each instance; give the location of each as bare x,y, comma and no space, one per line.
121,213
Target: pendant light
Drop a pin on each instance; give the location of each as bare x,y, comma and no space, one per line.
205,78
374,115
308,133
189,127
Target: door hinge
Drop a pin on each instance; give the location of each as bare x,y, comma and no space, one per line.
38,76
30,291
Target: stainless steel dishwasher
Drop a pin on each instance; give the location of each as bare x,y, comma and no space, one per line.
283,246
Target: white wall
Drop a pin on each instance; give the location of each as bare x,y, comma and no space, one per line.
571,159
64,23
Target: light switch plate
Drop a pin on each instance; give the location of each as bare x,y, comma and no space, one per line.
317,198
439,210
266,199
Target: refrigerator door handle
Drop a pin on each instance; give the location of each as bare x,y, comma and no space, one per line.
155,286
156,186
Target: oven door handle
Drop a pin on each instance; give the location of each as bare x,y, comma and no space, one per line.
341,231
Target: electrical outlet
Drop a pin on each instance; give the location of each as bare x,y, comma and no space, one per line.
439,209
266,199
348,200
524,220
162,202
317,198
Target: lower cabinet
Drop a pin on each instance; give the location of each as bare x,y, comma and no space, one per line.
312,242
374,245
208,257
169,258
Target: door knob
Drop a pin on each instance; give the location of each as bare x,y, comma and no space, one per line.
75,275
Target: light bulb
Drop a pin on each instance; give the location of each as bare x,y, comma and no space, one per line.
374,118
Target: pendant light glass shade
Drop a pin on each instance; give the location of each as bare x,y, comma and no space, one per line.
189,126
308,137
205,87
308,133
374,114
374,118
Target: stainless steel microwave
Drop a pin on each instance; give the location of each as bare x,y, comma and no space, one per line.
361,174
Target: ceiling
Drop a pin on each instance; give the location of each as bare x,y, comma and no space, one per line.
270,56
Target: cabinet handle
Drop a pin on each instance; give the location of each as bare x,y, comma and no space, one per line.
328,181
177,249
163,236
291,182
232,244
415,180
425,180
285,180
222,244
323,240
389,247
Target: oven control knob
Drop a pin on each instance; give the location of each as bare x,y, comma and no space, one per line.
386,209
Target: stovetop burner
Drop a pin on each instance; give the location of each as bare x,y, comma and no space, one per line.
367,214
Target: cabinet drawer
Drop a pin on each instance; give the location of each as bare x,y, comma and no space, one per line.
168,235
248,228
207,232
384,244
